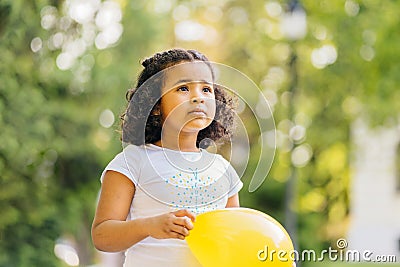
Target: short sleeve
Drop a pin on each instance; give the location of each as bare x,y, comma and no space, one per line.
127,163
235,182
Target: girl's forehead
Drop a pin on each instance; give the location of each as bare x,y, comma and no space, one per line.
187,72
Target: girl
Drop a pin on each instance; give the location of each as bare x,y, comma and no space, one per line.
152,191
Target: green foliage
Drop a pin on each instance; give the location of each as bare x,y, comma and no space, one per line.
28,225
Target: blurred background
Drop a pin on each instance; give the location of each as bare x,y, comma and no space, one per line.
329,69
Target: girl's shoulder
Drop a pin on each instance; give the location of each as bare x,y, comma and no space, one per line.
131,153
217,156
140,149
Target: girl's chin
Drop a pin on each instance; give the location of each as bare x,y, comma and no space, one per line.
196,125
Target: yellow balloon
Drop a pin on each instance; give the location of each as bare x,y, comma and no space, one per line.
240,237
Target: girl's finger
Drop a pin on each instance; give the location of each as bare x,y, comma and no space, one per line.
176,235
180,229
184,221
184,212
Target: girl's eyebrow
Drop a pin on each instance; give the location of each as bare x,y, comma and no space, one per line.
191,81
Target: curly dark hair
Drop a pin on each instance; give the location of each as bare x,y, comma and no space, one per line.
143,110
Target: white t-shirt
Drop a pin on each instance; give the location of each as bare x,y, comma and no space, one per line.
168,180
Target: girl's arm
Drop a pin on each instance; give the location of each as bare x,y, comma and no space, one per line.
233,201
110,231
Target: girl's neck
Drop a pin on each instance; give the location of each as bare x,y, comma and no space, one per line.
184,142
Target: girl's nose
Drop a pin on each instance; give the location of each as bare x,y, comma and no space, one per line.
196,100
197,96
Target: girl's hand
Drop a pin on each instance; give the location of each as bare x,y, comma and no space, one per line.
171,225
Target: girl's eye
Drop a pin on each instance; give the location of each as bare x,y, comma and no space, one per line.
207,90
183,88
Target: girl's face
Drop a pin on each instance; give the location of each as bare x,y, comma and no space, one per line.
188,100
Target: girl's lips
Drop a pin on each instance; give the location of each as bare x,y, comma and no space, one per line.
198,111
198,114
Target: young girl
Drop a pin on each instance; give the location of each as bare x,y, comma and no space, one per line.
152,191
